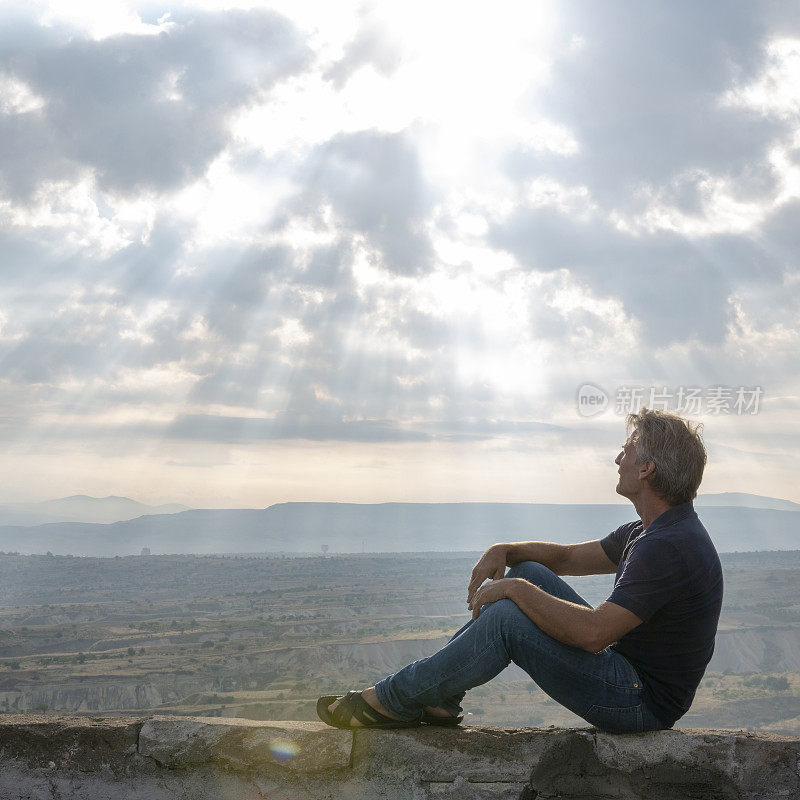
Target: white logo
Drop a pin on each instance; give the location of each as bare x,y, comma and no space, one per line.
591,400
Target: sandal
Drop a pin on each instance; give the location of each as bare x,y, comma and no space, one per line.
354,705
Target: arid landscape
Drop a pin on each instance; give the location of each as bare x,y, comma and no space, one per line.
261,637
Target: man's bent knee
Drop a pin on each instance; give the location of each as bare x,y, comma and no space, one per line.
531,571
506,613
547,580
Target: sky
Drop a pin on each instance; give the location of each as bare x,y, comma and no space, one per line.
394,251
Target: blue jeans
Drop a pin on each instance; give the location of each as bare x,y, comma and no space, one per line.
603,688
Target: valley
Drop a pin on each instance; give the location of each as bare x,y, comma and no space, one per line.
262,636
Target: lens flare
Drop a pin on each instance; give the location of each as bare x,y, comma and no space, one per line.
283,750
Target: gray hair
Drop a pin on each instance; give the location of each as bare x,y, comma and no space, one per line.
675,446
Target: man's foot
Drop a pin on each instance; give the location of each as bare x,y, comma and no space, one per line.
371,698
431,711
434,715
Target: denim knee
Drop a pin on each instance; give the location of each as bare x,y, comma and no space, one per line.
547,580
532,571
505,613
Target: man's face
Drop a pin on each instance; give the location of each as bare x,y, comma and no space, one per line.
629,483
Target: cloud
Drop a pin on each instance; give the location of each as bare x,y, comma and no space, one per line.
687,203
643,93
371,46
290,426
317,428
374,184
676,290
142,113
190,254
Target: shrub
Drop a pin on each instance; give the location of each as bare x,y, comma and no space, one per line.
777,684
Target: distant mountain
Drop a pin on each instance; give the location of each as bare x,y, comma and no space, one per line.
744,500
386,527
81,508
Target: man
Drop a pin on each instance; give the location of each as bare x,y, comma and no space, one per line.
630,665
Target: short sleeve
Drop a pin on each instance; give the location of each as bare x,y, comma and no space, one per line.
615,542
654,573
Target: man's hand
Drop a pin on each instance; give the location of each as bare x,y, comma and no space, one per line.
490,593
492,565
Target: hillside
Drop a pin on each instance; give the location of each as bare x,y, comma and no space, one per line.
81,508
386,527
745,500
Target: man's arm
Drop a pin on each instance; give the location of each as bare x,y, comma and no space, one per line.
591,629
587,558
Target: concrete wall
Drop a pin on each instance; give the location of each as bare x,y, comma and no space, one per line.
60,758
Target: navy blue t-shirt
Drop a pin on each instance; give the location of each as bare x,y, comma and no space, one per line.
669,576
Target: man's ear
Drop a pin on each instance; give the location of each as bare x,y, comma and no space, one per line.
646,470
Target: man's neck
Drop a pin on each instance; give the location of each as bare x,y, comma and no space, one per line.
649,507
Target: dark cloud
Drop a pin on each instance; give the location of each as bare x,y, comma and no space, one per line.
146,268
642,96
108,106
329,266
290,426
675,289
318,428
242,385
374,183
780,234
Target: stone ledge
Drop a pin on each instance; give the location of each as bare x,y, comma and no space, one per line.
186,742
81,743
159,757
582,762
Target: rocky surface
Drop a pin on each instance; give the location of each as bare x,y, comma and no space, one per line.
59,758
